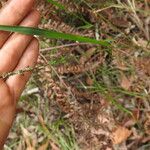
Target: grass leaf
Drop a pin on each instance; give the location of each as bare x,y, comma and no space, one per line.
60,6
52,34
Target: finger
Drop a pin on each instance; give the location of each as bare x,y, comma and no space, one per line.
12,13
17,83
14,47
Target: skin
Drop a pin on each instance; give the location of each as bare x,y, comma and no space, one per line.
16,52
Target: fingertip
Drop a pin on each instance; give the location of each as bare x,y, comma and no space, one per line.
32,19
35,45
36,15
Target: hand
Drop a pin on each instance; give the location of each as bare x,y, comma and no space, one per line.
16,52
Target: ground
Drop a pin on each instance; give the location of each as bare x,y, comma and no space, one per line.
84,96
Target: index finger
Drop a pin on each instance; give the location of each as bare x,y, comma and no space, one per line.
13,13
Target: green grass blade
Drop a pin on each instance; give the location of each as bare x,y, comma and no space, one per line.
53,34
60,6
